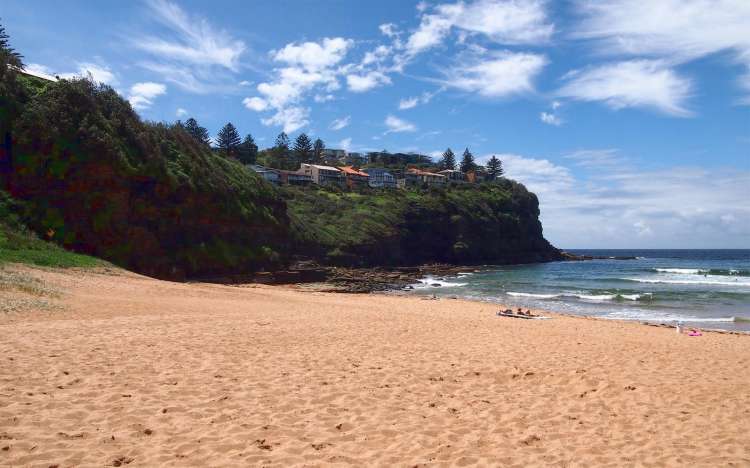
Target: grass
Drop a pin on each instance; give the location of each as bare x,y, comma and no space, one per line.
18,245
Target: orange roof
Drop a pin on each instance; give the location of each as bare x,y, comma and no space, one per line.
418,172
351,171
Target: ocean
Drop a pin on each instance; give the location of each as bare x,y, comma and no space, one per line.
701,288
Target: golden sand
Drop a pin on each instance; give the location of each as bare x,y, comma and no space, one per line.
132,371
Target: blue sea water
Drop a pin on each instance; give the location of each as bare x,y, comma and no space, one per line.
702,288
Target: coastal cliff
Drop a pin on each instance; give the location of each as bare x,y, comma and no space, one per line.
489,223
92,177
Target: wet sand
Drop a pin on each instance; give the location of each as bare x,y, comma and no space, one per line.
131,371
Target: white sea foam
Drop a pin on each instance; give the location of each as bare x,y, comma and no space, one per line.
650,316
585,297
431,282
594,297
707,281
681,271
536,296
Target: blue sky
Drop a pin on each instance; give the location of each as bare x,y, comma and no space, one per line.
630,122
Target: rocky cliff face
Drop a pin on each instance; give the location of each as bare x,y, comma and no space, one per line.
490,223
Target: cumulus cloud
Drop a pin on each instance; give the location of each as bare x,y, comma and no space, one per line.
99,73
290,118
142,94
40,70
367,81
341,123
635,83
181,112
503,21
500,74
550,119
388,29
255,103
307,66
424,98
408,103
314,56
628,207
396,125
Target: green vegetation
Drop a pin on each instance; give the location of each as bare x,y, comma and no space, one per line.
80,169
484,223
19,245
154,198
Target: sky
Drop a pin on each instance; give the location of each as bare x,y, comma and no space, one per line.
630,120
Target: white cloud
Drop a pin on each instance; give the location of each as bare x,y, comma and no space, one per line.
635,83
314,56
99,73
246,83
255,103
676,31
308,66
503,21
550,119
189,51
346,144
596,158
366,82
320,98
143,94
680,29
408,103
388,29
148,89
396,125
414,101
194,40
501,74
290,118
623,206
341,123
40,70
181,112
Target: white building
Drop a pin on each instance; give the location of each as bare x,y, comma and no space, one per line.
323,175
380,178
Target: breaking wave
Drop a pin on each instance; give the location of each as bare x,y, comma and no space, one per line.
586,297
704,272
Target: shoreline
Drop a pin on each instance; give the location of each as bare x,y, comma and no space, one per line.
133,370
551,312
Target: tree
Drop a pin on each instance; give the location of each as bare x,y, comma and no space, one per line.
495,168
11,93
448,160
302,148
228,140
318,149
8,56
279,155
282,142
197,132
248,150
467,162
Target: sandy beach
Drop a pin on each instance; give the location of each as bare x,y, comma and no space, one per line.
125,370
